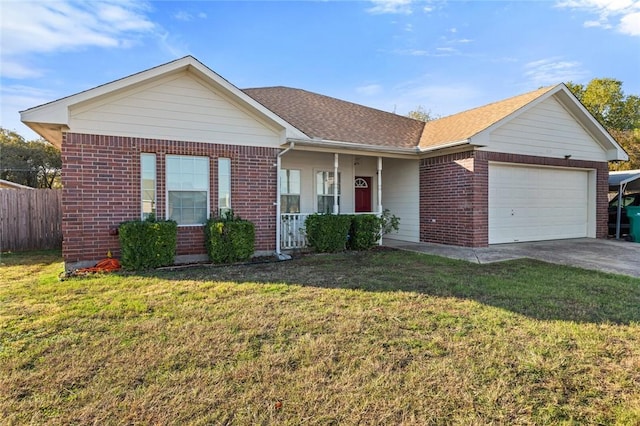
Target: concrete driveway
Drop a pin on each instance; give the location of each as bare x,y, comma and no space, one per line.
618,257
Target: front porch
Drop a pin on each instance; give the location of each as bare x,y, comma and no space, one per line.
344,183
293,235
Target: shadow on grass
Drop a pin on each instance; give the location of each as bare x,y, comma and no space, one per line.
533,288
32,257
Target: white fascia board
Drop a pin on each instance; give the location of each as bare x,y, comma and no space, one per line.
469,141
484,134
574,107
210,75
592,126
325,144
58,111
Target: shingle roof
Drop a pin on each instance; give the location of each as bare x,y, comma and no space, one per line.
464,125
337,120
328,118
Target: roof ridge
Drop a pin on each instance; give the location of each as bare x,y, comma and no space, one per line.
542,90
466,124
335,99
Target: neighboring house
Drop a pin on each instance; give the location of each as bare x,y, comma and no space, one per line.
7,184
181,142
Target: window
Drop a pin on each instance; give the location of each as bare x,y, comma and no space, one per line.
187,189
148,184
224,185
289,191
325,187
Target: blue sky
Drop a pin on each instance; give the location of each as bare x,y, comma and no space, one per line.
394,55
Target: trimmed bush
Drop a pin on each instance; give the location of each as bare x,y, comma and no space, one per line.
147,243
365,231
327,233
229,239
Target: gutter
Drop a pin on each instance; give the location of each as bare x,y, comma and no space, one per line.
352,146
323,143
445,146
279,253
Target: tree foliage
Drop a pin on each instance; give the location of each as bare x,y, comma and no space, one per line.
32,163
630,141
617,112
421,114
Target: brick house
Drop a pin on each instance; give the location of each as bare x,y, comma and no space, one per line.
181,142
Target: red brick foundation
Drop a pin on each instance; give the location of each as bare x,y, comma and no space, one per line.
101,181
454,192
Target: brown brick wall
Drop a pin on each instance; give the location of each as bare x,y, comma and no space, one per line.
101,179
454,190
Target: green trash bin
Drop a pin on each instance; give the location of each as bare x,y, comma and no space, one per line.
633,213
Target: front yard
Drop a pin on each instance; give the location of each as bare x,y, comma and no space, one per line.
385,337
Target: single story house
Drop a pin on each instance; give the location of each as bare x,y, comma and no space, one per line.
181,142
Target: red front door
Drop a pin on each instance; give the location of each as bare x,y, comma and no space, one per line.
363,194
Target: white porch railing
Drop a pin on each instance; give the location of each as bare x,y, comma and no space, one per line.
293,232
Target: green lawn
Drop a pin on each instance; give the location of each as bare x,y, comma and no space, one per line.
385,337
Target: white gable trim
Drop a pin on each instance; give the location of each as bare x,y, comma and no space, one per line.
564,96
51,119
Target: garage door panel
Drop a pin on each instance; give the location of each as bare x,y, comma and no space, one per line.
537,203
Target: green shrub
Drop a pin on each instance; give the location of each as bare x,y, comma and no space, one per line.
229,239
365,231
147,243
327,233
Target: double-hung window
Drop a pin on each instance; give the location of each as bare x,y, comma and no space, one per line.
289,191
148,185
224,185
326,187
187,189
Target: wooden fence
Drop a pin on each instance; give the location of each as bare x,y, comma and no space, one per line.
30,219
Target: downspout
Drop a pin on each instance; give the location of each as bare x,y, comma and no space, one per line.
277,203
336,183
380,193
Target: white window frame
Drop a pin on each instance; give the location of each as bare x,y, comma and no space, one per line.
143,190
198,188
286,174
221,172
339,186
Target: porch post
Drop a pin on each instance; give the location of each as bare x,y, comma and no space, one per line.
336,182
379,185
380,193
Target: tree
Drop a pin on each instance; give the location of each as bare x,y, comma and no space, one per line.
630,141
618,113
32,163
421,114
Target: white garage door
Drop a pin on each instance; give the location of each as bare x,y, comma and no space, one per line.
537,203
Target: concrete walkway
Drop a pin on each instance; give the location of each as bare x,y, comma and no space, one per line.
618,257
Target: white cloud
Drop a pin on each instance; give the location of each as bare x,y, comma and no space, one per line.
630,24
545,72
18,98
17,70
183,16
624,15
390,6
439,99
369,90
399,7
30,27
186,16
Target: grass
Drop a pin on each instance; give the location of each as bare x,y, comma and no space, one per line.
384,337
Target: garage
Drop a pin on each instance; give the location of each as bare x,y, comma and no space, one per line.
532,203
